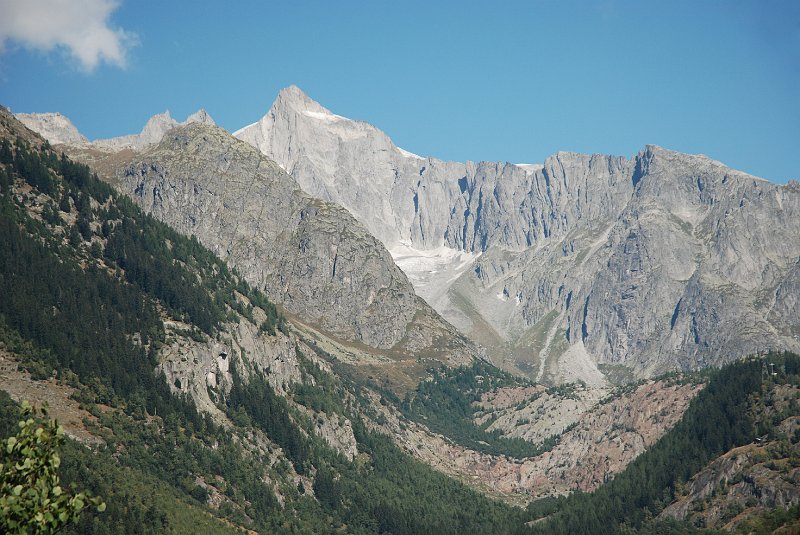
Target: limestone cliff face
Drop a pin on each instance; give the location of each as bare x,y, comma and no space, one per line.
307,254
661,261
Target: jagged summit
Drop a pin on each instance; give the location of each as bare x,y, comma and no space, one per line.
57,129
290,100
200,116
153,131
294,97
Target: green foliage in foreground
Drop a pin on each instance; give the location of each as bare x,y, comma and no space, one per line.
138,501
31,496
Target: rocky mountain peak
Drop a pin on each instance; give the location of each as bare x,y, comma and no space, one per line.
200,116
155,128
54,127
293,102
294,97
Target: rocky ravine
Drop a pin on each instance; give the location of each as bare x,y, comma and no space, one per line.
657,262
604,438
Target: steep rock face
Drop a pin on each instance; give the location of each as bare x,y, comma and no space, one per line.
315,145
697,260
307,254
402,197
54,127
661,261
202,370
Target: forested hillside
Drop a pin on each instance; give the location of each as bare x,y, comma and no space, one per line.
722,417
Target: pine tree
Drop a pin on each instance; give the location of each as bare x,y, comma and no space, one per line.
6,154
64,204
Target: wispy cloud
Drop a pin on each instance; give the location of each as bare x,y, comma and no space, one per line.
80,27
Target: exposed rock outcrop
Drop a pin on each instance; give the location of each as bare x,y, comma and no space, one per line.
153,132
202,369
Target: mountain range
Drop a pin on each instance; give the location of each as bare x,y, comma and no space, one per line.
580,268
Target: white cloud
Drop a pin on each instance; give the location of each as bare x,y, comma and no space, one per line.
78,26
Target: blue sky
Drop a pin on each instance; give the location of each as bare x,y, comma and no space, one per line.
502,80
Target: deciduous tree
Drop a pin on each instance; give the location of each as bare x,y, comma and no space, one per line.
31,496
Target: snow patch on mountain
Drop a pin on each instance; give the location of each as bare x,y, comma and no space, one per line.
409,154
431,271
323,116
